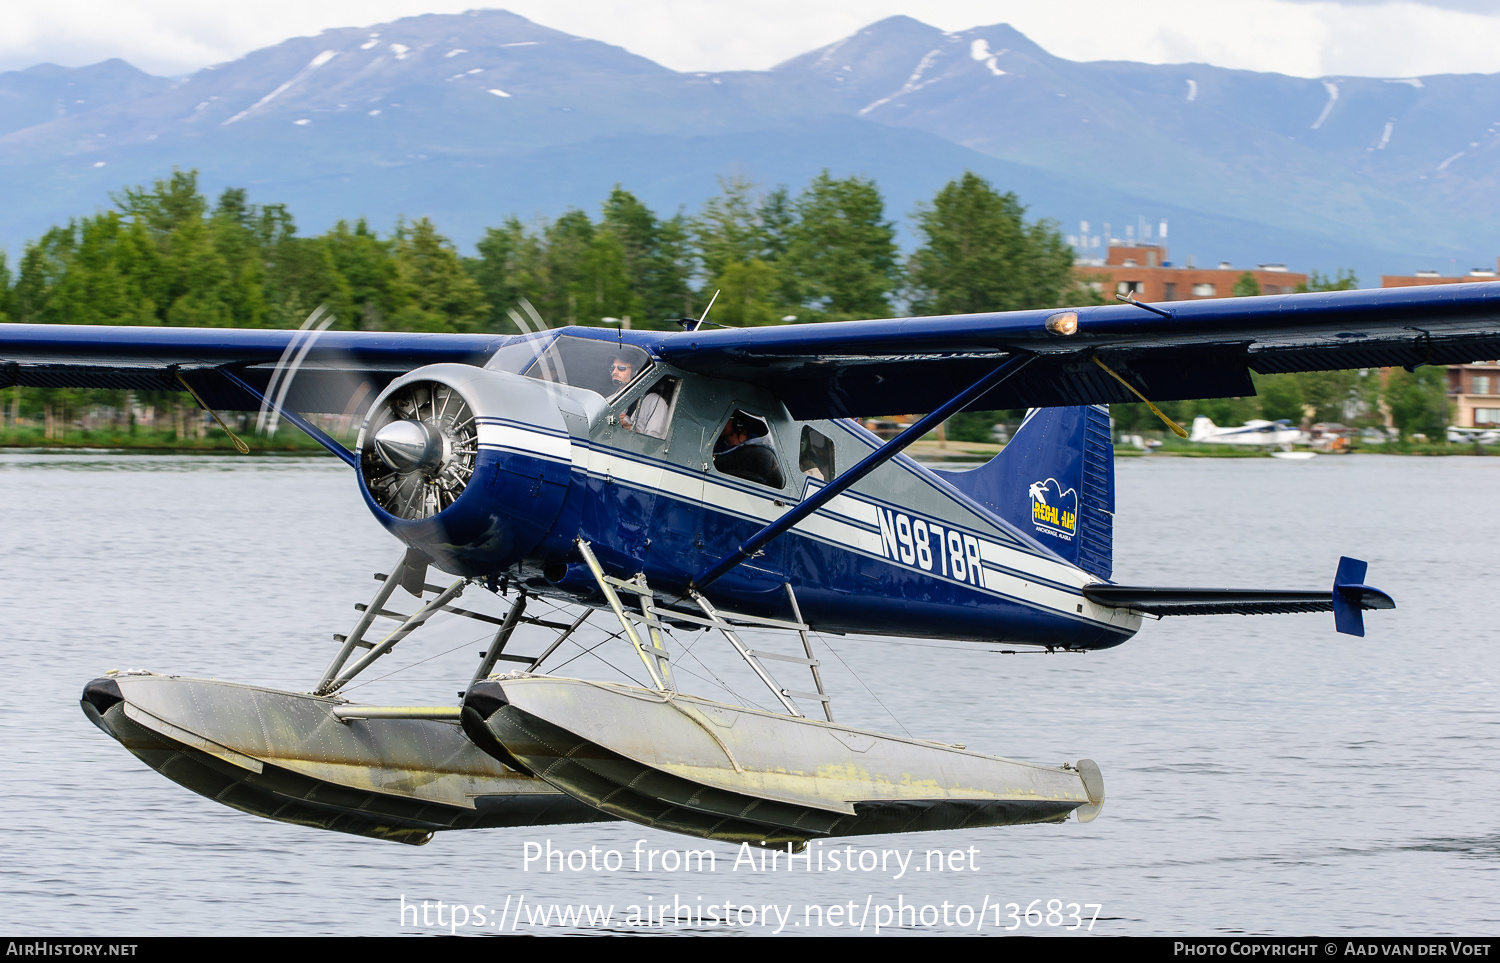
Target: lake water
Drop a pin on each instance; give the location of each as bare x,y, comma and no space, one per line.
1264,775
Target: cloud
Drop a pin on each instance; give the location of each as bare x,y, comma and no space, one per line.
1467,6
1304,38
170,37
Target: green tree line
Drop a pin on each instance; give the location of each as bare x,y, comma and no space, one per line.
166,255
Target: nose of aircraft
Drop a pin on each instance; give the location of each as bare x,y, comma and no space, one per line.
468,465
409,445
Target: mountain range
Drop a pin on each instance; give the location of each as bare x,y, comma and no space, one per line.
470,118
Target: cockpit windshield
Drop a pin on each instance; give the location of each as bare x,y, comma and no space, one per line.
518,354
603,367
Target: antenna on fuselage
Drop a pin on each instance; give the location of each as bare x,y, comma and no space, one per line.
706,310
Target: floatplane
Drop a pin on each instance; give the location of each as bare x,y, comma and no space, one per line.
1277,437
1257,433
711,480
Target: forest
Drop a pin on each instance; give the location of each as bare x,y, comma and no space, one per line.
167,255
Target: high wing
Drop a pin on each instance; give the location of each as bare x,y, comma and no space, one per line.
1176,350
339,368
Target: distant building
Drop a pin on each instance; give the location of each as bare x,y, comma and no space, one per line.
1144,272
1473,389
1433,277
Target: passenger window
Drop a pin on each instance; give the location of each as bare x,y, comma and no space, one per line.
815,455
652,413
744,450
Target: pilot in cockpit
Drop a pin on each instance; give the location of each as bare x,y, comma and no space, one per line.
649,415
621,372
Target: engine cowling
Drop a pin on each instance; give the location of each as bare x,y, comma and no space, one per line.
467,465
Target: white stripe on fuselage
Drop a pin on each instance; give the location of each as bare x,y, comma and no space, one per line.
514,438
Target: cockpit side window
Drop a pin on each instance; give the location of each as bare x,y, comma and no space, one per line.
744,450
815,454
603,367
652,412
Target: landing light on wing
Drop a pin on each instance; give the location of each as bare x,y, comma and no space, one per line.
1064,324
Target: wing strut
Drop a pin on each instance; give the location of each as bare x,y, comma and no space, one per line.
871,462
311,430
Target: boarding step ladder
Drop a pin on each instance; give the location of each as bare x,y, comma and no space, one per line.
725,623
654,656
713,618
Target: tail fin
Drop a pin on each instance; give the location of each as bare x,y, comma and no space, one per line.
1055,481
1202,429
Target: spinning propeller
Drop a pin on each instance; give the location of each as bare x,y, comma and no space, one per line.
287,366
419,447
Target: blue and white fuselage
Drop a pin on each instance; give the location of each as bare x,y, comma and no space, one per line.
651,475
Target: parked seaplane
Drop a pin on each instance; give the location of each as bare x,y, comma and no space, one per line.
1257,433
712,480
1473,436
1276,437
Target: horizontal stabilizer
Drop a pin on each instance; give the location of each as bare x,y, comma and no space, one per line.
1348,600
1151,600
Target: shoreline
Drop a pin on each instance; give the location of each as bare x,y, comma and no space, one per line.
926,452
957,451
164,442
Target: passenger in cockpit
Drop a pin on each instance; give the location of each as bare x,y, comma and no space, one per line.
649,415
744,454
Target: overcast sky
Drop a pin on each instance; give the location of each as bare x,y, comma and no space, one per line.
1308,38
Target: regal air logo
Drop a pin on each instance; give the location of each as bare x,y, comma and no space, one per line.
1054,511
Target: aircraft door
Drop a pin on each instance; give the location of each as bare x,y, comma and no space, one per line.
676,538
636,470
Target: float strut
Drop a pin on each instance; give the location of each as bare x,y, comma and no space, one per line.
361,627
492,654
412,623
